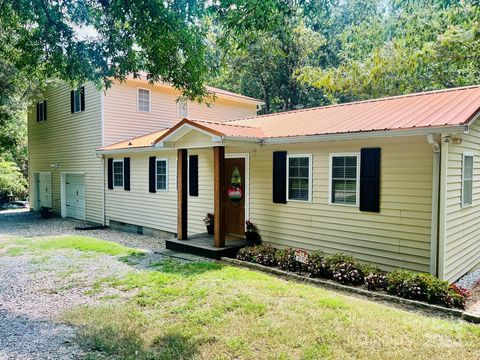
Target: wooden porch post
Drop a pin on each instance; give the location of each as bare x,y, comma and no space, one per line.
219,196
182,201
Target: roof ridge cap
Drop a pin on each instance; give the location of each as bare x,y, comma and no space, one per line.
223,123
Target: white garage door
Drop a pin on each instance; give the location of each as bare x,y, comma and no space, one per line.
75,196
44,189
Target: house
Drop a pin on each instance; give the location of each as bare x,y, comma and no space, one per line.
391,181
66,126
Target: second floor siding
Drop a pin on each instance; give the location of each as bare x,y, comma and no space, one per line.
122,118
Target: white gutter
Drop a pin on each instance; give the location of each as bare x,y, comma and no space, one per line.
435,195
442,220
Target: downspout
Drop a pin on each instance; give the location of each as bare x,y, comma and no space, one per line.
442,217
434,240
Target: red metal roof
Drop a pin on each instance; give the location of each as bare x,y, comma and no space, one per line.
136,142
422,110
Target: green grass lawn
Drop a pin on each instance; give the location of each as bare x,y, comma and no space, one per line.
208,310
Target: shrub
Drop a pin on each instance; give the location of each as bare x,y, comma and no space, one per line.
265,255
425,287
335,260
247,253
347,273
286,260
317,265
376,281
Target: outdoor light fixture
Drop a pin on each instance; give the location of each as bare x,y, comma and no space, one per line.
54,166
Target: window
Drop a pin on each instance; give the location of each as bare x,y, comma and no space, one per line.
467,179
78,100
162,174
182,108
42,111
344,179
299,177
143,100
118,173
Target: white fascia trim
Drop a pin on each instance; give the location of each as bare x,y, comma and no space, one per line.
367,134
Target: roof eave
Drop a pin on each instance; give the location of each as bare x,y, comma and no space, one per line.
368,134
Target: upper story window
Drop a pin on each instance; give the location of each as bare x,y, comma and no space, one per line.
344,179
467,179
77,100
118,173
182,108
42,111
143,100
162,174
299,177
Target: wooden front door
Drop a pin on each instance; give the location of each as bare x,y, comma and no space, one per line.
235,196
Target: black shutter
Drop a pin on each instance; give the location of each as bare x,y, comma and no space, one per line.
151,174
44,110
126,174
280,177
38,112
110,173
370,180
72,102
82,98
193,175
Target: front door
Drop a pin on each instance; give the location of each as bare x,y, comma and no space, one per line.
235,196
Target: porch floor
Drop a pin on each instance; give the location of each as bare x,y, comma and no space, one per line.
202,245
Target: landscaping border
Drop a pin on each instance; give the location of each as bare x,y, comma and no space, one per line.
345,288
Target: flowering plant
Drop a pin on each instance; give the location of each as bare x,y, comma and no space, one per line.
209,218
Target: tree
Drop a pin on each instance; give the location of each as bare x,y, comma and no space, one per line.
12,181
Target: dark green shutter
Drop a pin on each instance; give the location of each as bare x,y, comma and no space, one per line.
72,101
279,177
38,112
126,174
152,186
44,110
110,173
370,180
82,98
193,175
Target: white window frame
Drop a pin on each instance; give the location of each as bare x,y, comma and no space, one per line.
75,92
330,179
149,100
166,174
466,154
187,106
42,104
310,177
123,174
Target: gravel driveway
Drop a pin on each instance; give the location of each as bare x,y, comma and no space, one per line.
34,292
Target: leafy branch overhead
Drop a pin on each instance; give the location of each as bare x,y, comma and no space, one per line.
101,40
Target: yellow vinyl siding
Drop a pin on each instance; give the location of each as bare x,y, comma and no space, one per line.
462,247
68,140
123,121
139,206
159,210
398,236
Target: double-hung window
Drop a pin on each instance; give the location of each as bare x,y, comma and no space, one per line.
182,108
143,100
118,173
299,177
467,179
344,170
162,174
42,111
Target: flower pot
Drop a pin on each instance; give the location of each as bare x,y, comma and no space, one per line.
210,229
251,237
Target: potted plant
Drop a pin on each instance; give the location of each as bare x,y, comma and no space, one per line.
45,212
251,234
209,223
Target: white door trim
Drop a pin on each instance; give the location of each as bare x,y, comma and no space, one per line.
245,156
63,192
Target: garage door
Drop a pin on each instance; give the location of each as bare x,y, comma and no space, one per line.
75,196
44,189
